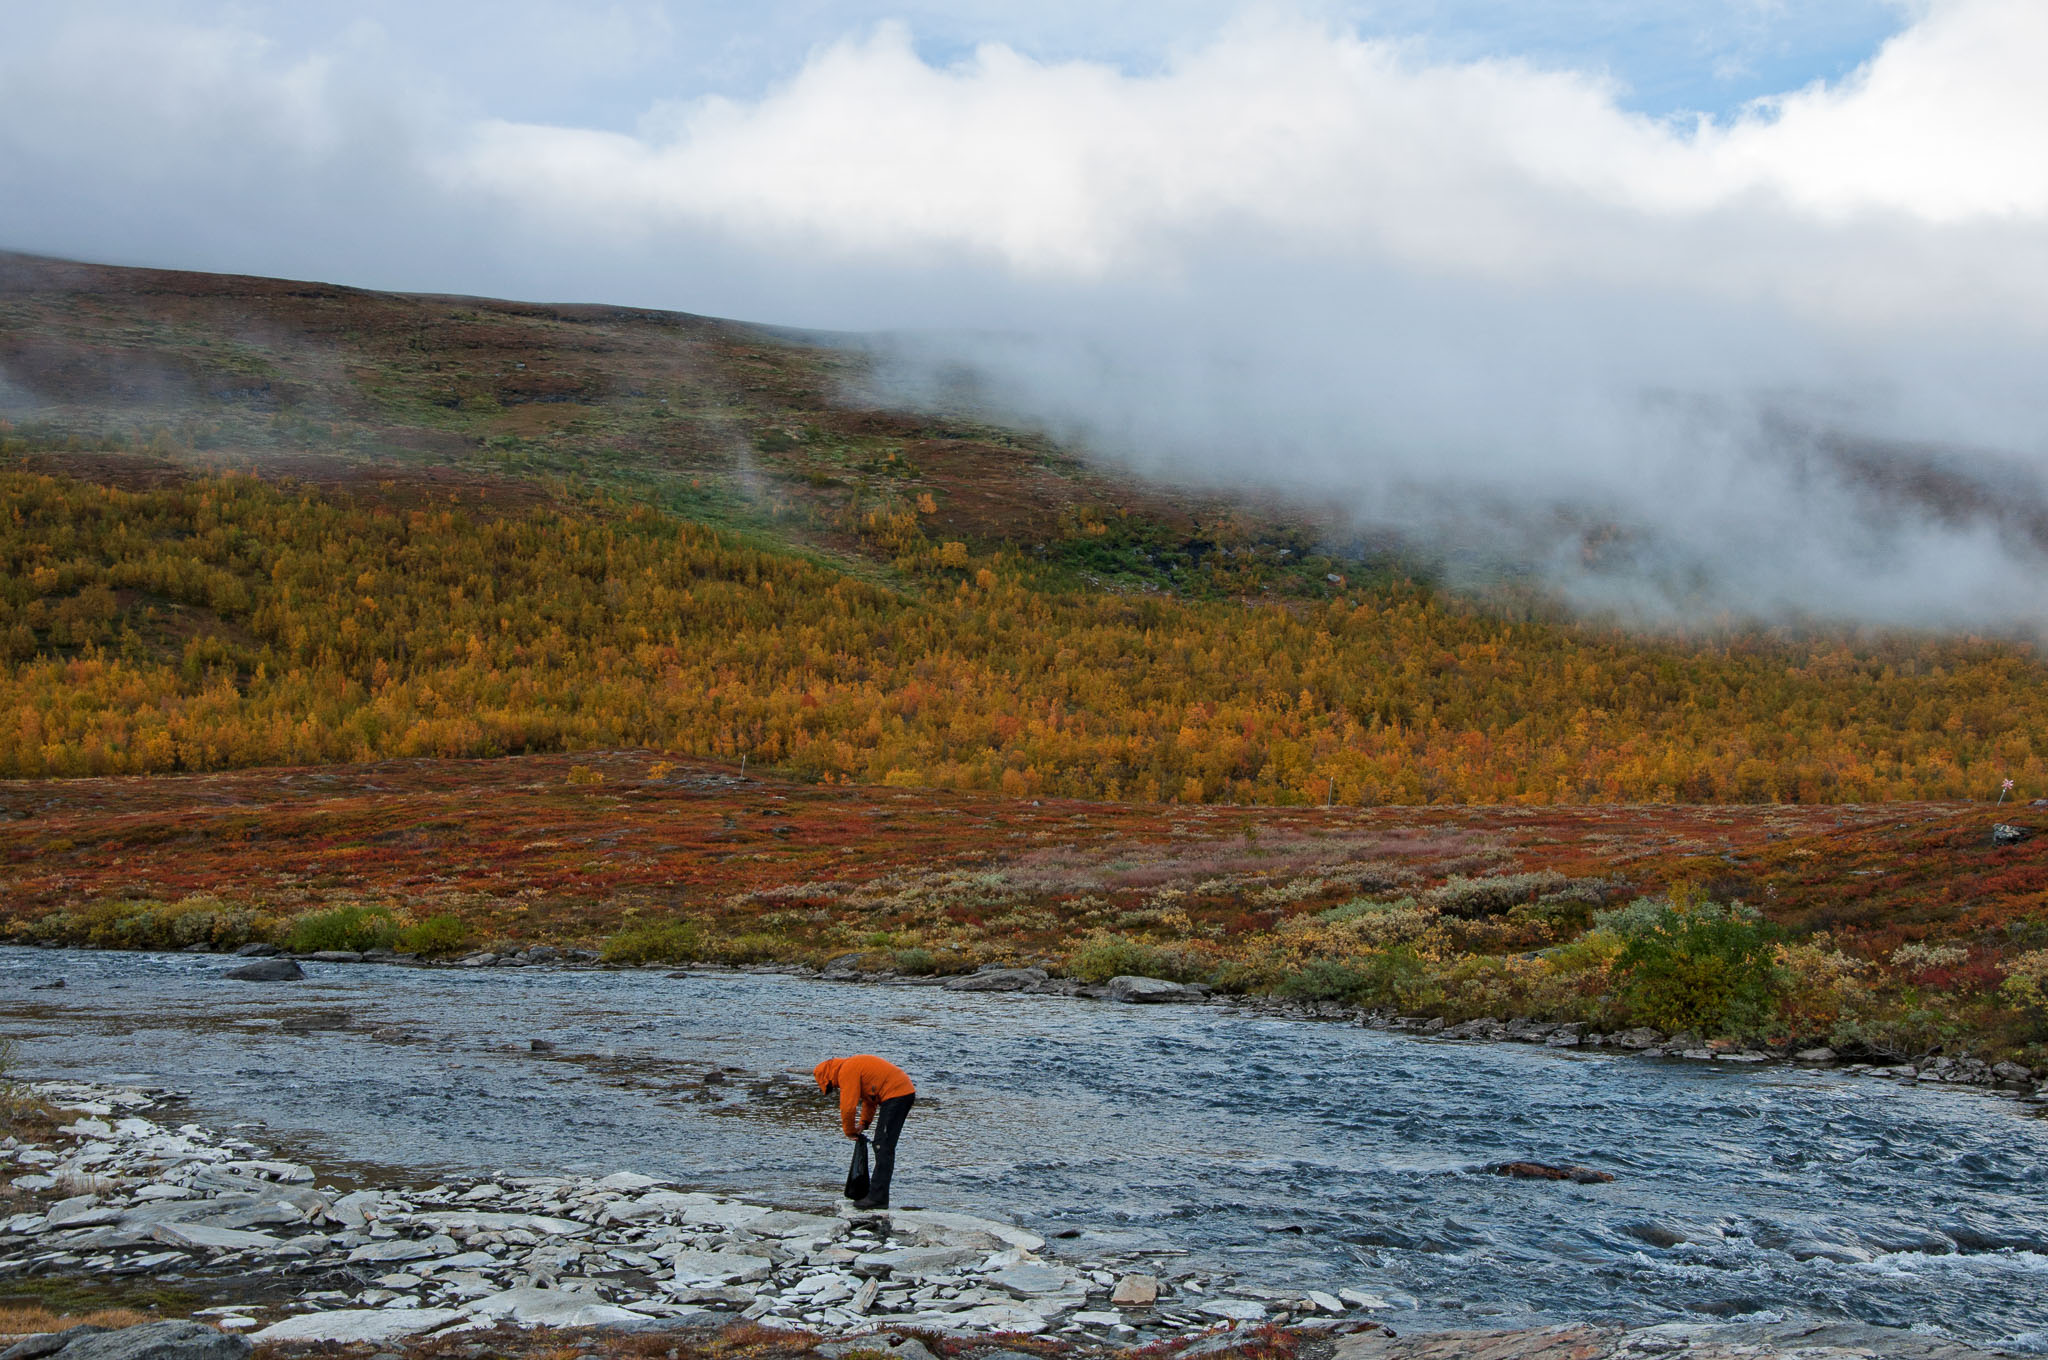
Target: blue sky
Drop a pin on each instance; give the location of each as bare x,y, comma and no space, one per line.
604,64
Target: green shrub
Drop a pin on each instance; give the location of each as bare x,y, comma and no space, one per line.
1389,978
654,942
352,927
1106,956
1695,965
434,936
917,962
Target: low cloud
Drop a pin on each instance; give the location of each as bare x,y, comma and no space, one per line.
1779,365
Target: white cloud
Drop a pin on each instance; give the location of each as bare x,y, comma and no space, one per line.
1471,298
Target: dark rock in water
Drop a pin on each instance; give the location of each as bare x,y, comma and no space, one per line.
996,980
149,1341
335,956
539,1046
2004,833
1543,1171
319,1020
256,950
200,948
58,985
267,970
1655,1234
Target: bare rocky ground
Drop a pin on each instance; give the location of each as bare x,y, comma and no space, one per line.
575,1268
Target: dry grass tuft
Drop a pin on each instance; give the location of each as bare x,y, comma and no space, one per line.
19,1321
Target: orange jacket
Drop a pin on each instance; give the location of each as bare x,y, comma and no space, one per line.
864,1082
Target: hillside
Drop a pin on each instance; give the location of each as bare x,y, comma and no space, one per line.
256,524
481,528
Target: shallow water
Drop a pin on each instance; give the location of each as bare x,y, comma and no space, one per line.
1289,1154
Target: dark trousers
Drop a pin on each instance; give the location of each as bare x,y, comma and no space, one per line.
888,1128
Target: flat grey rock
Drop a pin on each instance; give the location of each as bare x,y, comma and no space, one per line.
997,980
157,1341
553,1308
361,1324
212,1238
404,1249
718,1267
1029,1279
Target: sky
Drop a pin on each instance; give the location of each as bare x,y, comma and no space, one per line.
1697,307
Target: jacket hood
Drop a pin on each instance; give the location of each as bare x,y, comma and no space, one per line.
827,1073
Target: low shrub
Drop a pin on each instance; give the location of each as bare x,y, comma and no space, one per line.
1472,898
146,923
654,942
351,927
1103,957
754,947
434,936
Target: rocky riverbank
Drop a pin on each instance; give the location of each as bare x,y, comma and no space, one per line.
124,1192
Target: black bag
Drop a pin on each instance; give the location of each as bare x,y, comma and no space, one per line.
857,1174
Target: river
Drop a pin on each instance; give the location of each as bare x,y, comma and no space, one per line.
1285,1153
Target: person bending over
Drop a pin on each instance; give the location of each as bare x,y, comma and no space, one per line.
874,1091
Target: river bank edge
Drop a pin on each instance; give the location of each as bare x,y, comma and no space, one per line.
2006,1080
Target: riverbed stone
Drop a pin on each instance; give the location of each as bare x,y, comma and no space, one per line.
1136,1291
267,970
1817,1056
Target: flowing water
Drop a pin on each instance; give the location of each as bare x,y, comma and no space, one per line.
1284,1153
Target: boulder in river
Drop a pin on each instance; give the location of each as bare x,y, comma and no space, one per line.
267,970
1140,990
256,949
